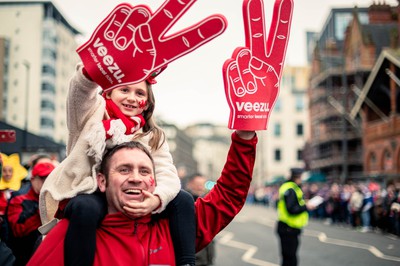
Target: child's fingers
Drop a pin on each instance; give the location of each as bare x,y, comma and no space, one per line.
133,212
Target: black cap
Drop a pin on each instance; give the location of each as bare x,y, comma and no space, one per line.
296,172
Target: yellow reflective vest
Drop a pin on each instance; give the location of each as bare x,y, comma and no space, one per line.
293,220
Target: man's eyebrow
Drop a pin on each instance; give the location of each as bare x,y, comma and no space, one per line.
128,165
146,167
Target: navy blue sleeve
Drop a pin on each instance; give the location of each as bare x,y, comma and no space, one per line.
292,204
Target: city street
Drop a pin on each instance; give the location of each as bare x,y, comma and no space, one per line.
251,240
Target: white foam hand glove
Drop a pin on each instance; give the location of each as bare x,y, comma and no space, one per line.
130,44
252,75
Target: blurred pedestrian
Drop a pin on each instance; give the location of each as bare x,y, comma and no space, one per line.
33,160
395,212
367,207
6,258
23,216
196,185
13,173
390,197
355,206
292,217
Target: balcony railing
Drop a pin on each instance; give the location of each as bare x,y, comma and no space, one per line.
337,159
382,129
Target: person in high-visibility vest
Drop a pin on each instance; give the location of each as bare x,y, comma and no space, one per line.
292,216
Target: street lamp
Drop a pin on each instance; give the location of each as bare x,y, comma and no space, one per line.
27,65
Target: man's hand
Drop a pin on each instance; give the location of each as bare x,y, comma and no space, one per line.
132,43
252,75
310,206
246,134
139,209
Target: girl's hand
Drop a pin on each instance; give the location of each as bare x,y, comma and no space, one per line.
139,209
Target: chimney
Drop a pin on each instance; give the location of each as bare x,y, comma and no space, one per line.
380,13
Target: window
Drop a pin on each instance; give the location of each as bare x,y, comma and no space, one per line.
277,129
299,155
299,129
46,69
47,53
46,87
47,105
342,21
46,122
387,160
277,155
373,162
278,105
299,103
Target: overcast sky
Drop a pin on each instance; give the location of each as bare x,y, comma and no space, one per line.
191,89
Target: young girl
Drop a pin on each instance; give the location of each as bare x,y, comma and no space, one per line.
94,122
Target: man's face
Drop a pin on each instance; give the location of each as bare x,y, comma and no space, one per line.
197,186
130,173
7,173
37,183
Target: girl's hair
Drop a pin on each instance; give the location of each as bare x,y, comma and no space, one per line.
158,137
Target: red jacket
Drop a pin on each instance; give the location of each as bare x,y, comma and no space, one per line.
3,202
23,213
23,220
147,241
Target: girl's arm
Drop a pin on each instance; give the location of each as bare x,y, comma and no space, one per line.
168,182
82,101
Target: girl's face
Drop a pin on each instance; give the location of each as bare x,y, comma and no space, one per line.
130,99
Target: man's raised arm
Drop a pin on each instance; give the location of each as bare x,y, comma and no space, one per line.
218,208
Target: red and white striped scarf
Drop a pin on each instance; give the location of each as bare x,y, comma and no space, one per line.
132,124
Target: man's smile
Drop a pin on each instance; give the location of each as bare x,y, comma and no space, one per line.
133,191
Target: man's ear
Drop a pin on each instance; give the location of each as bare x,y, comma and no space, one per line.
101,182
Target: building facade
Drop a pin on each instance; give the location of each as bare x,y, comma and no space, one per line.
210,147
281,145
38,58
182,148
343,58
379,107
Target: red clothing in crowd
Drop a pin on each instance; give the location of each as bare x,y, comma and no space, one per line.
23,213
147,241
3,202
23,221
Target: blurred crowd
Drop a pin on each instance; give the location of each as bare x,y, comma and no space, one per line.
364,206
20,185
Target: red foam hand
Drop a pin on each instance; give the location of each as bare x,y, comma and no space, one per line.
252,75
130,44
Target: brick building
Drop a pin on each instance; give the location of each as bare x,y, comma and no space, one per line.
341,65
379,107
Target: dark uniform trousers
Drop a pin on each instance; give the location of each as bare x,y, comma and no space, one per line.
289,243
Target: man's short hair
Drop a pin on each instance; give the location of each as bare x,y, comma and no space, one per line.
131,145
193,176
